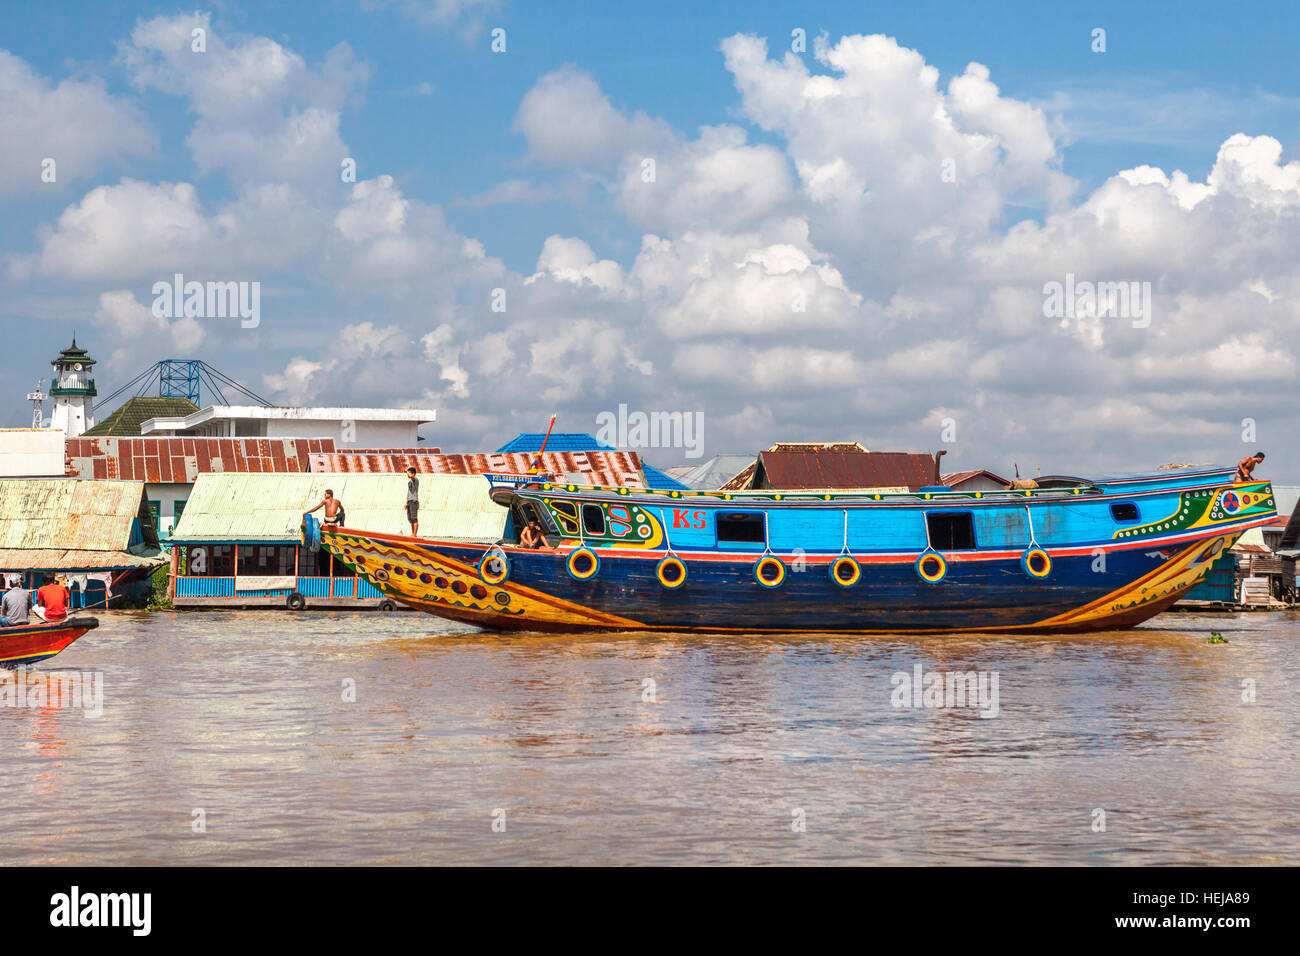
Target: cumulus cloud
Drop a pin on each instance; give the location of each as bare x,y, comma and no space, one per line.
76,123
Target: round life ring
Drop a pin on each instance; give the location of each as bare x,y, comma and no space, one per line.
1036,562
769,563
677,572
845,571
503,565
931,567
583,564
295,602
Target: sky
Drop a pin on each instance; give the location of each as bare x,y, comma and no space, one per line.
791,222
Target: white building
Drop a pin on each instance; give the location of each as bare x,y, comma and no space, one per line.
31,453
365,427
73,391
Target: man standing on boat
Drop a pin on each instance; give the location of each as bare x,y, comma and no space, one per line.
15,604
1247,465
333,509
413,501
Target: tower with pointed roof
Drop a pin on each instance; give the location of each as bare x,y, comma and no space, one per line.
73,391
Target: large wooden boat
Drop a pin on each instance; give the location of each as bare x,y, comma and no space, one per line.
1072,555
37,641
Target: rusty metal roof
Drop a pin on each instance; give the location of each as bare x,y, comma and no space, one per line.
615,468
181,460
43,559
957,477
69,514
836,466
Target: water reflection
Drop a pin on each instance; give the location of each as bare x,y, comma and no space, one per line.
653,748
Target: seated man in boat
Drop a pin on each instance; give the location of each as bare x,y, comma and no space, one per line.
333,509
15,604
532,536
53,599
1247,465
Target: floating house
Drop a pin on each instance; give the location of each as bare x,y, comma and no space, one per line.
169,467
98,533
238,542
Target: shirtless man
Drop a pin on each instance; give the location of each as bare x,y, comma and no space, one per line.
332,508
1247,465
532,536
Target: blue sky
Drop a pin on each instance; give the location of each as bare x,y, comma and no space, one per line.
436,110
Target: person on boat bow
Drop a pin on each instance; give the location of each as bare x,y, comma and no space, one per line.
333,509
1247,465
532,536
15,605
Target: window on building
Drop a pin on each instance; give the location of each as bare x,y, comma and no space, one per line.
741,528
266,558
1124,511
951,531
210,560
593,519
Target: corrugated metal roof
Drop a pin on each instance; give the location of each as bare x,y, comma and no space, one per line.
581,441
834,468
181,460
957,477
421,450
617,468
269,507
42,559
559,441
68,513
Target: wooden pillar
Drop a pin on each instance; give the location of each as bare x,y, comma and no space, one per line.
176,563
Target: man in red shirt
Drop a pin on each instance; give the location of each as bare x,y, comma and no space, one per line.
54,599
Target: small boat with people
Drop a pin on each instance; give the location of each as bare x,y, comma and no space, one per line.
40,640
1071,554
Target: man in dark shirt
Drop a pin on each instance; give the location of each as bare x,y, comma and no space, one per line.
1247,465
413,501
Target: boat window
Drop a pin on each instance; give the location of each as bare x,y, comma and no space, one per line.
740,528
1124,511
951,531
593,519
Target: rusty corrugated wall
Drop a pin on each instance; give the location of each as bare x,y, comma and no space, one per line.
614,468
162,460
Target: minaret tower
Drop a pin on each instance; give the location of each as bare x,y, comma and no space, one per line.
73,391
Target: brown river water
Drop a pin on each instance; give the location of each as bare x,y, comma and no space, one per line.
463,747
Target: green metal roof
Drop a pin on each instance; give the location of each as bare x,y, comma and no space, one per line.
126,419
269,507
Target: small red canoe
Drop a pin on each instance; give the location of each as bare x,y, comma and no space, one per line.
30,643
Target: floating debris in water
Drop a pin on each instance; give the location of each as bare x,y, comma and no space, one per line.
1217,638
